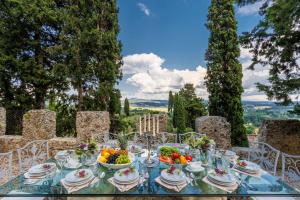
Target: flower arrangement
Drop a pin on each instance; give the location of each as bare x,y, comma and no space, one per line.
201,143
87,149
205,142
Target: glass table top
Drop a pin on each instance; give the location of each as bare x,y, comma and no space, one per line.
265,185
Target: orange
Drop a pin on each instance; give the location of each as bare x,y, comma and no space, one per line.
104,151
111,151
182,160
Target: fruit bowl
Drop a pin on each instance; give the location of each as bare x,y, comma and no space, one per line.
117,166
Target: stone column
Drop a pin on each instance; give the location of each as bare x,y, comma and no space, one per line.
2,121
92,124
39,125
216,128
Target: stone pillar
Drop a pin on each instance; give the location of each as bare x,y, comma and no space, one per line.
2,121
92,124
39,125
216,128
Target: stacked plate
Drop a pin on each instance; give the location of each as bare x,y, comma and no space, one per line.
41,170
123,177
175,178
78,177
194,167
226,180
250,167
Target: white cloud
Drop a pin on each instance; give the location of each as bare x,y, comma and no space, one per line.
144,9
250,9
153,81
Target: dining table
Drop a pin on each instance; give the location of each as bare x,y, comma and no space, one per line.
265,185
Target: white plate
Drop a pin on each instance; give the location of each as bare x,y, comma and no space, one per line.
38,169
73,177
200,169
221,183
123,178
177,176
72,165
127,183
226,178
70,184
171,182
250,168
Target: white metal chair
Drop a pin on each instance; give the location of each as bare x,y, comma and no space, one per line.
5,167
261,153
33,153
166,137
291,169
184,136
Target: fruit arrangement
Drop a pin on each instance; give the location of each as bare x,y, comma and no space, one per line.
116,156
171,155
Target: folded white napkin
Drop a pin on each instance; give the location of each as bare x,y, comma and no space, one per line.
257,175
71,189
176,188
227,189
124,188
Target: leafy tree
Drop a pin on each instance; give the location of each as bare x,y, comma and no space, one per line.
92,53
224,72
126,107
30,64
179,114
170,102
274,42
193,105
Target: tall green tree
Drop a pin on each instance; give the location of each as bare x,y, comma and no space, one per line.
224,71
193,105
126,107
170,102
274,42
179,114
30,63
92,51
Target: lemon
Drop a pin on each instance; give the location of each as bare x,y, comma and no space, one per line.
106,155
102,159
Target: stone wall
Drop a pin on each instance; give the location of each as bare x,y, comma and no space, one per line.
92,124
284,135
216,128
2,121
39,125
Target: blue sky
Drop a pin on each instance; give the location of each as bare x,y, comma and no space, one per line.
164,42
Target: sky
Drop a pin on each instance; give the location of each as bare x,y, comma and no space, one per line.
164,43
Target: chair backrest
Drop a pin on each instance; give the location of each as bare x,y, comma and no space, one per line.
265,155
184,136
5,167
166,137
291,169
33,153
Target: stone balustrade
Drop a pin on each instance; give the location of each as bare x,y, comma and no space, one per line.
41,125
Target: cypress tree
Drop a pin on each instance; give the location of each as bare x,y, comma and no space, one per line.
170,102
126,107
179,114
30,63
224,71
